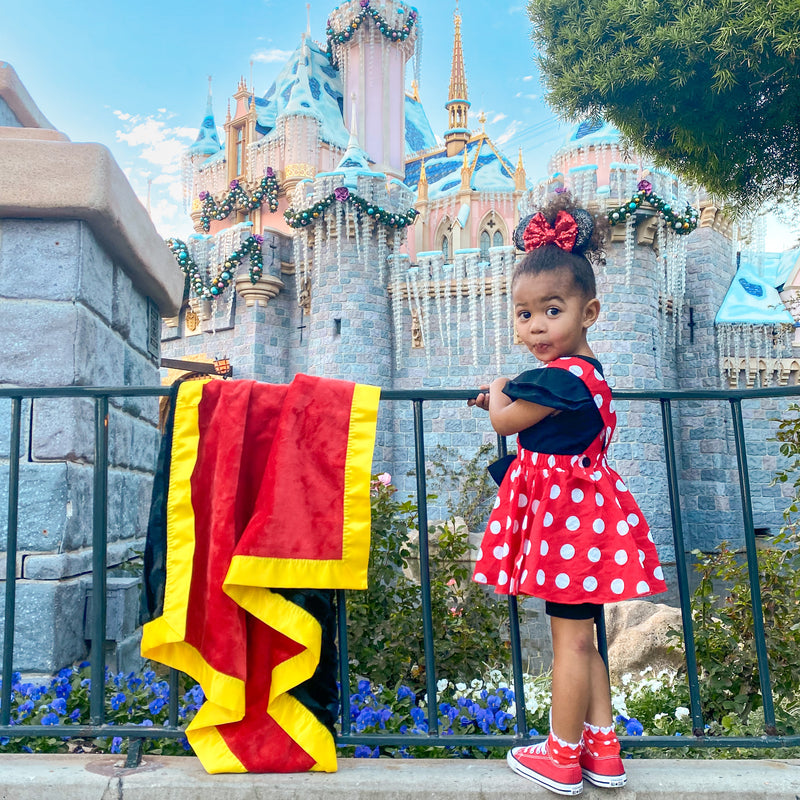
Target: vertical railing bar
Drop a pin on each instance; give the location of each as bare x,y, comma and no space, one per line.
11,559
424,570
602,637
172,710
680,569
344,660
752,569
514,635
99,538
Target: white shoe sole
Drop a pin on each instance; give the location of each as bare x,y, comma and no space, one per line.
604,781
569,789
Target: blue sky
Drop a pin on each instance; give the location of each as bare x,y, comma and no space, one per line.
134,75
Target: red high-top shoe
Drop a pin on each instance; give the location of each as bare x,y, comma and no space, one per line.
600,760
549,764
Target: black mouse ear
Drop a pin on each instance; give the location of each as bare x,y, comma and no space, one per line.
585,222
520,230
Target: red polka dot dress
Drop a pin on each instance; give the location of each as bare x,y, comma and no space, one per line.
565,527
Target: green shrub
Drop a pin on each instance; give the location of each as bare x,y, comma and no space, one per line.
385,633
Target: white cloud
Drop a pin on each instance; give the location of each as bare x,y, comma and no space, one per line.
123,116
271,56
508,133
527,77
498,117
158,144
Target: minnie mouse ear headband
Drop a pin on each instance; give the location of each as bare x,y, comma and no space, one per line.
572,232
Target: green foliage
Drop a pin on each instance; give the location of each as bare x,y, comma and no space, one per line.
385,621
468,481
709,88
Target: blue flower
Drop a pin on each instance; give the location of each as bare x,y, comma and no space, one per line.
146,723
59,705
533,732
403,692
417,714
4,740
117,700
83,665
634,727
148,676
116,743
50,719
156,705
364,686
86,683
363,751
196,695
185,744
65,673
75,714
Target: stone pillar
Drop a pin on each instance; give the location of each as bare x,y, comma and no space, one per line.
350,328
626,339
83,278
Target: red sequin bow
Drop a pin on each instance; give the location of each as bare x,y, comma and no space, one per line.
562,234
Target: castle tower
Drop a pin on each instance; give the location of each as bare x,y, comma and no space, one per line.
237,132
207,142
371,49
457,105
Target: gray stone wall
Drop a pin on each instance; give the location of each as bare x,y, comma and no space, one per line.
69,315
7,117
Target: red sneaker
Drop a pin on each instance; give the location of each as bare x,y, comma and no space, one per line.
537,763
600,760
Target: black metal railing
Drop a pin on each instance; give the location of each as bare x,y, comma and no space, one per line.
98,726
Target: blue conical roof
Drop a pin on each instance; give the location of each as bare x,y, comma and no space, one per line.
207,141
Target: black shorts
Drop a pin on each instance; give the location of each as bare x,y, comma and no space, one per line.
573,610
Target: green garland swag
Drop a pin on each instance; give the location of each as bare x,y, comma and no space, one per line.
680,224
302,218
267,190
250,247
395,34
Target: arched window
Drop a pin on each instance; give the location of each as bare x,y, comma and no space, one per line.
497,239
485,241
446,249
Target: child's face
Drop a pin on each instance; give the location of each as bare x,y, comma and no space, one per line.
552,315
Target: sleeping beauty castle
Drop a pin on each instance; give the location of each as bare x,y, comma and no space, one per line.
337,234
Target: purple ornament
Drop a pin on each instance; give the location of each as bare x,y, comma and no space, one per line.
203,195
341,193
270,172
259,238
234,184
560,190
644,186
364,3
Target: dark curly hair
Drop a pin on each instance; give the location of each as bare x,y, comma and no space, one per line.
588,249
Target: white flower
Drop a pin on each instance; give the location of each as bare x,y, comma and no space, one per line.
442,684
659,716
681,712
626,678
476,684
461,687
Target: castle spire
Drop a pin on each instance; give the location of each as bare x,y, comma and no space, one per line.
457,104
458,76
207,141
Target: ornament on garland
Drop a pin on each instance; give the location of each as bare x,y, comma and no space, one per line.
346,34
266,191
645,194
391,219
250,247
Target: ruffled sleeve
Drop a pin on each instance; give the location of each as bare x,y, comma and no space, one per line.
554,388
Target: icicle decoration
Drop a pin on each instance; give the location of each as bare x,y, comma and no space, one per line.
434,266
341,228
418,52
480,277
497,283
447,280
458,274
471,265
630,241
397,264
382,252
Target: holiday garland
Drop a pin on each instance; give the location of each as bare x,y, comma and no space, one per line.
301,218
645,194
250,247
267,190
344,35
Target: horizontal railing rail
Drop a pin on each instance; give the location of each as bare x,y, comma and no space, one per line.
99,727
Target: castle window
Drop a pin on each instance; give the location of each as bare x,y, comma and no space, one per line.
497,239
446,249
239,150
485,241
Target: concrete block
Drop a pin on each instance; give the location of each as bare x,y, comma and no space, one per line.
121,298
139,370
48,629
63,429
98,352
95,282
55,566
5,427
122,608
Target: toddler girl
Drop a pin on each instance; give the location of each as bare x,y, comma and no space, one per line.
564,526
